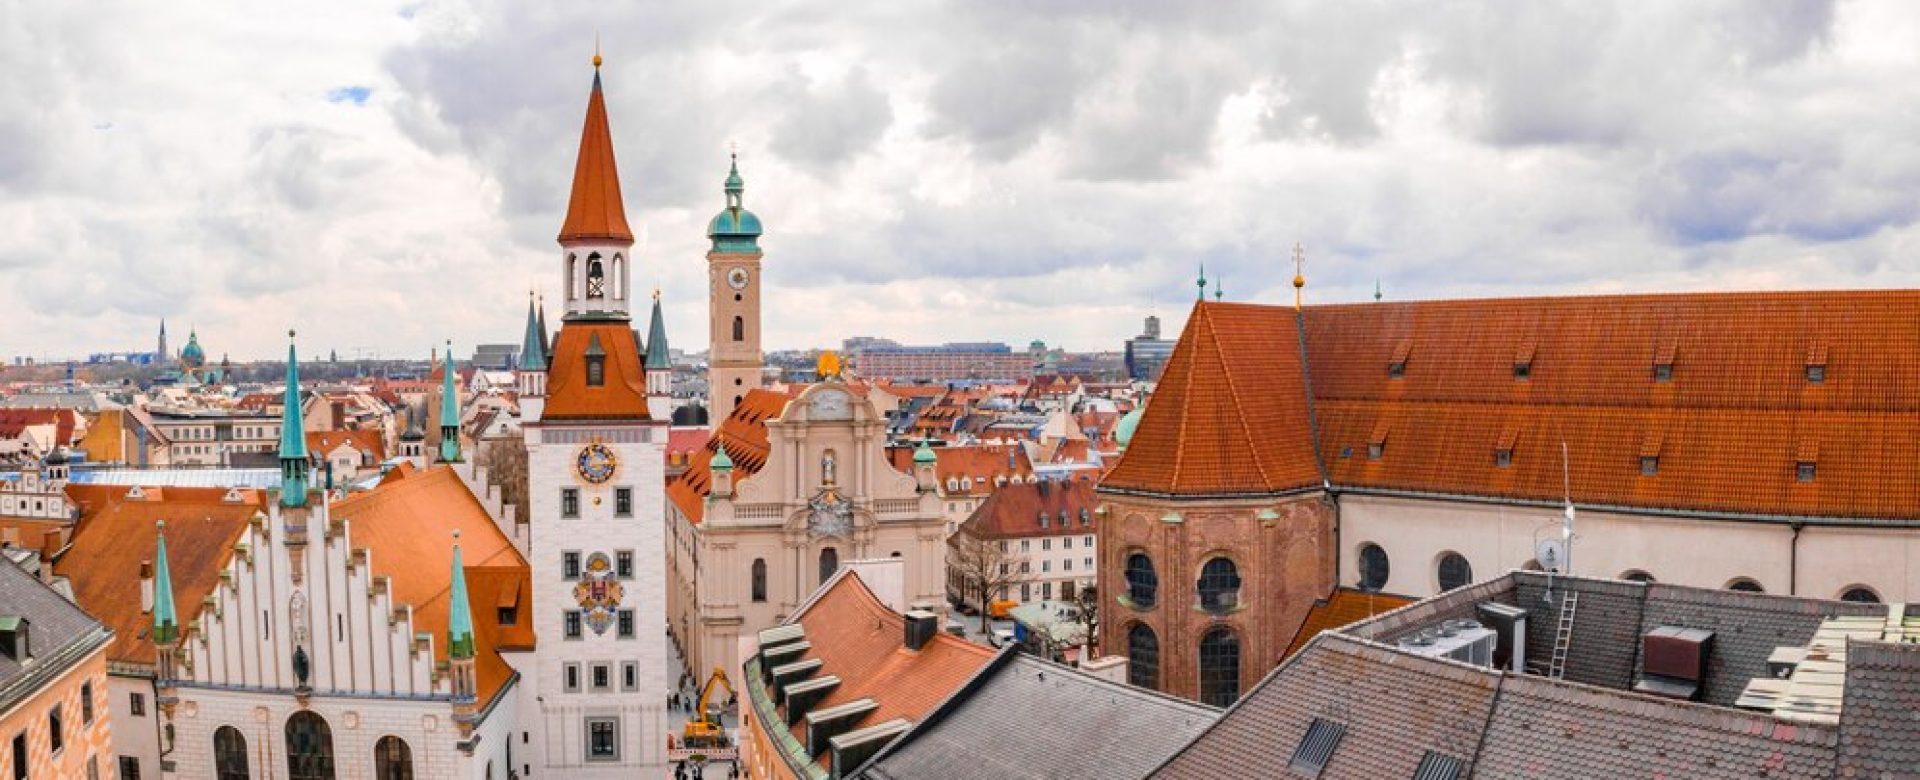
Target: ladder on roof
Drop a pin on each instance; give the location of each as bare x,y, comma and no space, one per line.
1569,604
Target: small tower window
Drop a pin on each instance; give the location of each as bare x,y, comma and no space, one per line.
596,277
739,328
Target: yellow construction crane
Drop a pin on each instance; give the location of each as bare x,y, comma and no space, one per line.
704,729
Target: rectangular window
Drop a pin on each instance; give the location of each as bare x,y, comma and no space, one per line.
1088,541
573,624
93,768
86,703
569,502
1026,566
1816,374
507,616
20,755
602,677
1066,543
1089,564
1004,567
1502,458
1026,591
623,564
623,502
137,705
1663,372
1046,591
572,675
1649,465
570,565
1316,747
1066,565
603,739
629,676
626,624
1003,545
56,733
1046,544
1804,472
1026,544
1046,566
596,371
129,768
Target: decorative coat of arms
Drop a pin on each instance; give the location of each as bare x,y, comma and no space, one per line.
598,593
830,514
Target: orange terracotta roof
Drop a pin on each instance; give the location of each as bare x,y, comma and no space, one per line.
863,642
116,534
364,439
745,434
1343,606
975,466
1013,511
407,525
14,421
1230,415
594,211
623,393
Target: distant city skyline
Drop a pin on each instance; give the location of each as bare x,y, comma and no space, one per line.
389,177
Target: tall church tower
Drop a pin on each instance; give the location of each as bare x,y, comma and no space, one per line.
733,295
596,500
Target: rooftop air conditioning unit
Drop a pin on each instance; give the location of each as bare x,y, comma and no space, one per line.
1460,640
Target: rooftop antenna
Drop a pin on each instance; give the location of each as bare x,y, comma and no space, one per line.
1566,494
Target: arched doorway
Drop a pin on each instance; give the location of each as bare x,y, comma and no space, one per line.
309,747
392,759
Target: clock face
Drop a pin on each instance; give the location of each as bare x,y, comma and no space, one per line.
596,463
737,278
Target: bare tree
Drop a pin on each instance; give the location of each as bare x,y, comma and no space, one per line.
506,464
1086,605
983,567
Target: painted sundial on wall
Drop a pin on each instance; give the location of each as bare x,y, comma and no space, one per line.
598,593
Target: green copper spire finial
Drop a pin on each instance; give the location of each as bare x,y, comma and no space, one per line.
293,437
533,348
1376,290
449,412
166,623
1219,288
460,612
1202,282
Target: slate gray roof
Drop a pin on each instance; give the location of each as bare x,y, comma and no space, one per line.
60,635
1023,717
1879,731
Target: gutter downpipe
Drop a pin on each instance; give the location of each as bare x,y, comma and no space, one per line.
1793,561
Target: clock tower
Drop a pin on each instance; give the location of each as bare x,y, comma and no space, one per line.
733,295
595,470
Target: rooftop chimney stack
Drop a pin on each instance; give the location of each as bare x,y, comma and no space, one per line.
146,586
921,626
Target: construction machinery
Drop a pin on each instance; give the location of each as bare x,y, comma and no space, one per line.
704,729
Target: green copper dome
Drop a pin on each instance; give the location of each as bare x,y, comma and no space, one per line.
720,461
924,454
1123,430
193,356
734,229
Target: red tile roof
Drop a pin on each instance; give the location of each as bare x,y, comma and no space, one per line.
745,434
1230,415
975,467
14,421
1727,421
623,393
1013,511
863,642
364,439
1343,606
595,211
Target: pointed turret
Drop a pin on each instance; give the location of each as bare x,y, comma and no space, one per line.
293,437
166,622
460,613
657,355
533,347
546,336
449,411
659,366
595,211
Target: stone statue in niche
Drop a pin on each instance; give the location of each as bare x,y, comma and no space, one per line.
826,467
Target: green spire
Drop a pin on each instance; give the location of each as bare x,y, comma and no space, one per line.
734,185
449,411
293,437
533,348
657,357
1202,282
166,623
1219,288
720,461
459,613
1376,290
546,336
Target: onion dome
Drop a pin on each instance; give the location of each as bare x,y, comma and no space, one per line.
734,229
1123,430
57,457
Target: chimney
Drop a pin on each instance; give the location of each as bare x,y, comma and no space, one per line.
146,586
921,626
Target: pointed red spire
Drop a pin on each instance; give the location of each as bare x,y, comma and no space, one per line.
595,210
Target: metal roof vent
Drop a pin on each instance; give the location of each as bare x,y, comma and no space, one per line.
1674,661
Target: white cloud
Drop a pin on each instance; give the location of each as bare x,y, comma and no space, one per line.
383,178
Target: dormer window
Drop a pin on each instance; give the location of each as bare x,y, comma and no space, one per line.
1397,367
1502,458
1817,364
1806,460
1804,471
1523,364
1650,455
1503,449
1816,374
1649,465
1043,519
1663,364
1377,446
1084,519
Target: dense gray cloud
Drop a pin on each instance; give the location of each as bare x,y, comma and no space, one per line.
386,177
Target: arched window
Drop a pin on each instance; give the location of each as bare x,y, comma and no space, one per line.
1219,585
1374,567
619,275
1636,575
829,563
596,277
739,328
759,580
1143,657
1745,585
392,759
573,276
1219,667
309,747
229,754
1142,584
1860,594
1454,571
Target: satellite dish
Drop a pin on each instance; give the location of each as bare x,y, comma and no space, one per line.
1551,554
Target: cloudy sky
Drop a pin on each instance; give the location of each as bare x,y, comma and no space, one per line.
384,178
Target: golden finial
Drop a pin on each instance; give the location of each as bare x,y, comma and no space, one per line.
829,366
656,294
596,51
1299,273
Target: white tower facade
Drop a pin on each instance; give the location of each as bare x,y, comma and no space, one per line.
595,466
